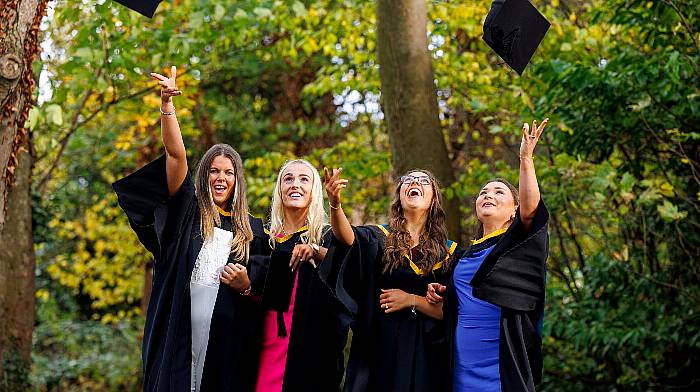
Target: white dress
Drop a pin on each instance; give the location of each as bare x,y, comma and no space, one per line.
204,286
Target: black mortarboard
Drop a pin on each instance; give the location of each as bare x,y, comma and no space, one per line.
143,7
514,29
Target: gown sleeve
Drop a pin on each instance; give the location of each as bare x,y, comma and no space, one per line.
144,197
513,275
346,269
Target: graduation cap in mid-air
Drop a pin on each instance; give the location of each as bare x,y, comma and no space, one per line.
514,29
143,7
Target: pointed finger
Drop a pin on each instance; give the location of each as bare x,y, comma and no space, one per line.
326,175
173,72
158,76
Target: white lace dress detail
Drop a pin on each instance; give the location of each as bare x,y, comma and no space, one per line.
204,286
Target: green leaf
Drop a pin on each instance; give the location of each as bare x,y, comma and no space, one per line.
670,212
219,12
54,114
84,53
33,118
196,20
299,9
240,14
263,13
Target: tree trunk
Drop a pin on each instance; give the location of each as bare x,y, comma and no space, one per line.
409,99
19,35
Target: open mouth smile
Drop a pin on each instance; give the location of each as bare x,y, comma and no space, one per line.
220,189
414,192
295,195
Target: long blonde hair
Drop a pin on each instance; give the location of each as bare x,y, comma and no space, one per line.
316,218
209,216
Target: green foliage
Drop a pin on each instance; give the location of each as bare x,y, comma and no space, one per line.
73,354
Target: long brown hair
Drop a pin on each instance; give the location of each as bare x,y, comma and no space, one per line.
209,216
432,243
513,191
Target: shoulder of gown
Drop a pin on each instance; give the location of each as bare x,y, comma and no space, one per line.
144,197
513,274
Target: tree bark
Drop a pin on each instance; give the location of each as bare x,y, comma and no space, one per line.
409,98
19,37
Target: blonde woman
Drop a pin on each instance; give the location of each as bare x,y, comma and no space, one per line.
200,234
304,327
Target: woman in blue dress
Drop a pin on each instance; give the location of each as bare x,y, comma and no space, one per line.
494,301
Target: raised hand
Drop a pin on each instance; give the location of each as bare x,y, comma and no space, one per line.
334,184
236,277
168,86
530,138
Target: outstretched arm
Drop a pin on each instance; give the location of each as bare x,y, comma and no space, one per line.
175,153
339,222
529,190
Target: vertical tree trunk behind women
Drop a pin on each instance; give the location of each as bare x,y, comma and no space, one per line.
19,36
409,99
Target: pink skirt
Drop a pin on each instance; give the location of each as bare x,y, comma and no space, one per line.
273,356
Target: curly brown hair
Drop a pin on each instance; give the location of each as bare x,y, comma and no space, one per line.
432,243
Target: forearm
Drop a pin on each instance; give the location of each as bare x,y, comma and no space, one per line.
170,132
428,309
341,226
175,153
529,190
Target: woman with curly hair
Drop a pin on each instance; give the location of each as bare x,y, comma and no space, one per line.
380,272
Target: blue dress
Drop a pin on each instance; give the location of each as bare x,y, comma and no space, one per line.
477,332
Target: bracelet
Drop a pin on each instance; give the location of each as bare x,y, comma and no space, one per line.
413,306
334,207
246,292
167,113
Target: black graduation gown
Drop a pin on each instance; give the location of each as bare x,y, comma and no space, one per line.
398,351
512,277
169,228
320,322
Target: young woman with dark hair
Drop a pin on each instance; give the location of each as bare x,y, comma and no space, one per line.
200,235
495,298
380,272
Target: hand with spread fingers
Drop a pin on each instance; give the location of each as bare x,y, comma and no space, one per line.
393,300
334,185
301,253
236,277
530,138
434,293
168,86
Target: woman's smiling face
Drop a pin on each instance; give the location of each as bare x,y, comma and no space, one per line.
296,184
222,180
416,191
495,203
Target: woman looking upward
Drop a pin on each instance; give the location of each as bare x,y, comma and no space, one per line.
380,272
495,299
